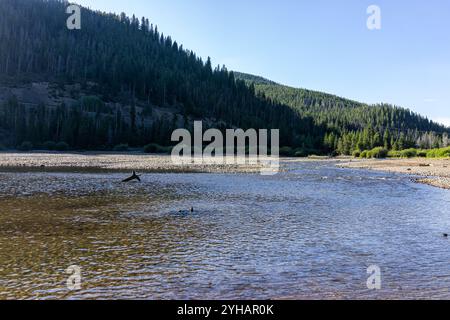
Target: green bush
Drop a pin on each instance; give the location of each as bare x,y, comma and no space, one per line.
439,153
121,147
356,153
433,153
49,145
61,146
25,146
378,153
394,154
444,152
422,153
156,148
408,153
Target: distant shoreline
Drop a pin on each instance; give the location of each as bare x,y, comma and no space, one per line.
433,172
110,162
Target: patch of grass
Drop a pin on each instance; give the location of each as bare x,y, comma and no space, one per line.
444,152
377,153
394,154
439,153
411,153
408,153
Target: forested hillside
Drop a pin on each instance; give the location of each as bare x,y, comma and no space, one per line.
119,80
352,125
128,70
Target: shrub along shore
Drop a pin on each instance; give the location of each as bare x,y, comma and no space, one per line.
381,153
153,148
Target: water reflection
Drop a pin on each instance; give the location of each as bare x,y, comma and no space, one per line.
310,232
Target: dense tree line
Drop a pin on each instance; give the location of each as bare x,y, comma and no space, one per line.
129,71
132,63
352,125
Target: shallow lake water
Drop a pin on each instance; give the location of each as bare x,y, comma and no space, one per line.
308,233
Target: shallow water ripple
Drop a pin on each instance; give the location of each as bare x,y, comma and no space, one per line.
310,232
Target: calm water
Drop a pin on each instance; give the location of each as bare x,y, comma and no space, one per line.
310,232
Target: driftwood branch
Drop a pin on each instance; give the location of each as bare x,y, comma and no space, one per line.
133,177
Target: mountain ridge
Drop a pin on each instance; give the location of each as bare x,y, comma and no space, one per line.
250,78
354,125
119,80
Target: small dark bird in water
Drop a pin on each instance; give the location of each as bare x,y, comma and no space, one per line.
445,235
133,177
192,209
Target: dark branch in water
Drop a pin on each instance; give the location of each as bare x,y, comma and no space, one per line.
133,177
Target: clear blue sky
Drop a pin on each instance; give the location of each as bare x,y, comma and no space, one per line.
318,44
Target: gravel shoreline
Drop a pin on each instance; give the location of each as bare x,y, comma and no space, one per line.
104,161
434,172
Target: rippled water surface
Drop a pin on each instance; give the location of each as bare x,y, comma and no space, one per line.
310,232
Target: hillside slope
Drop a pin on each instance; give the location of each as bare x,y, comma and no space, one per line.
120,80
128,70
353,125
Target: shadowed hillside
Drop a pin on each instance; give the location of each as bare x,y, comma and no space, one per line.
117,80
